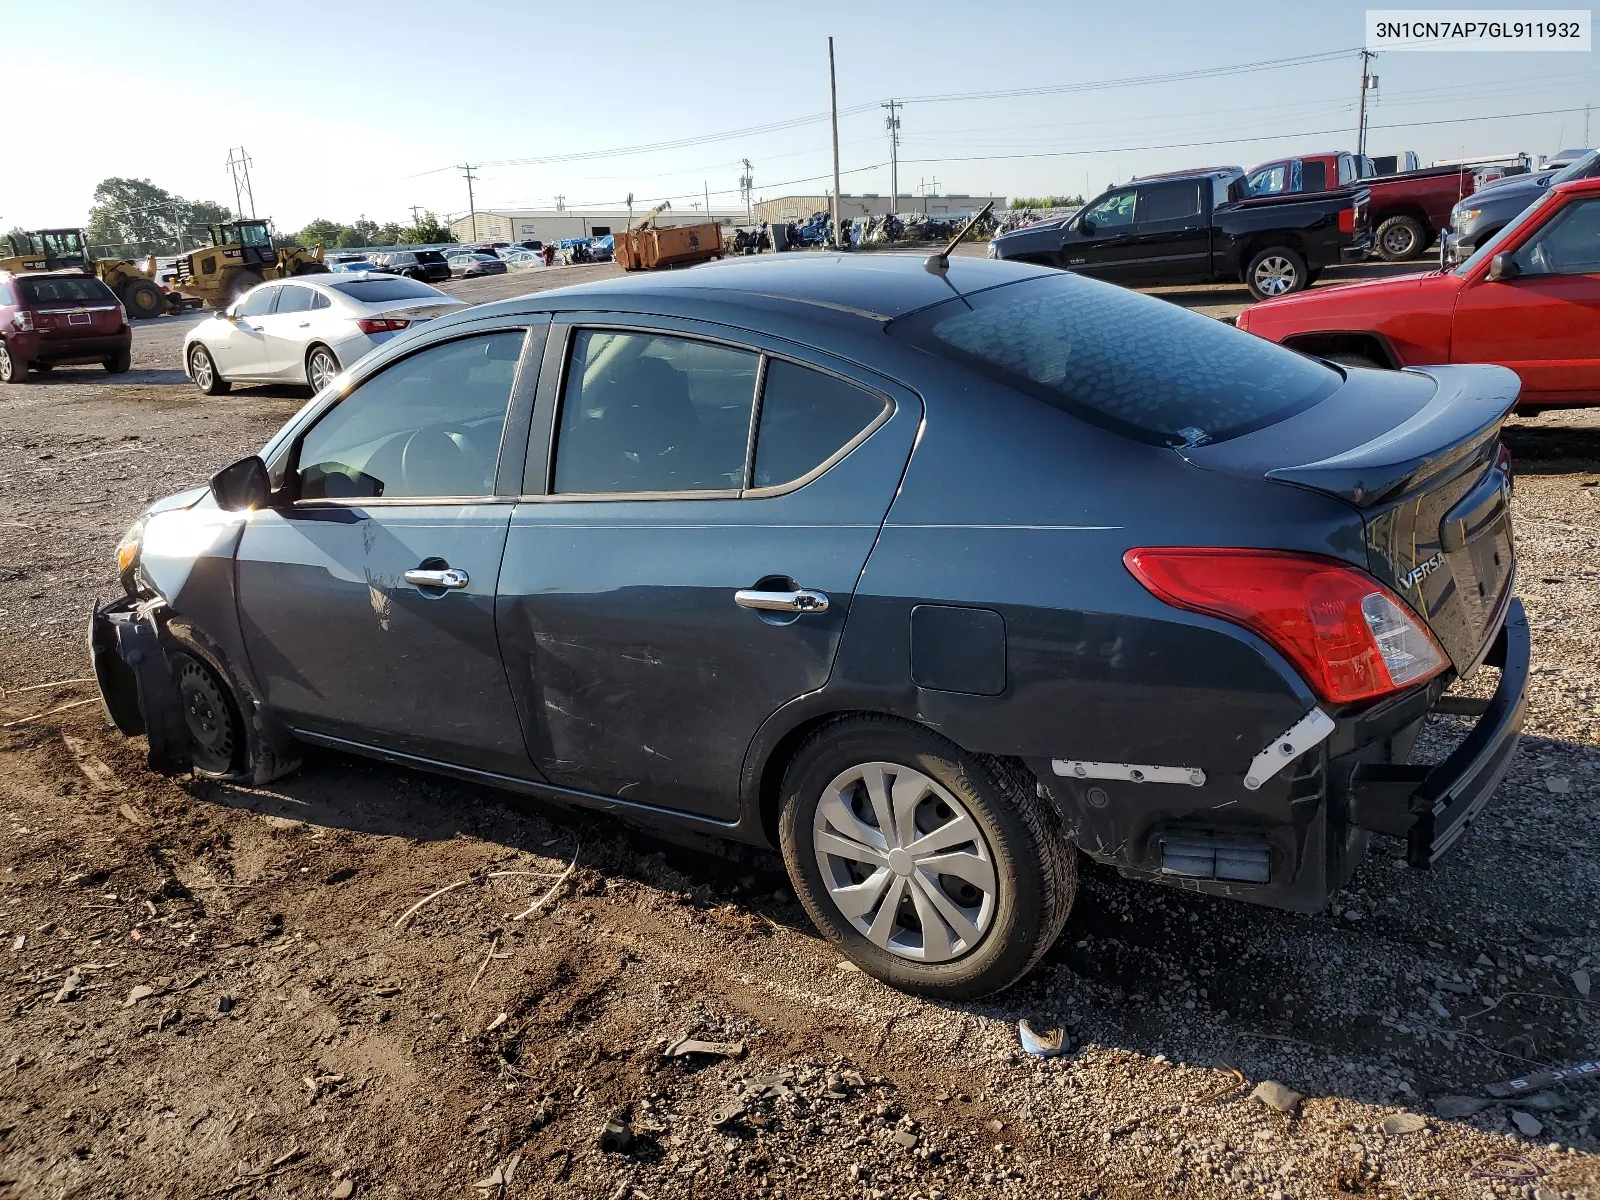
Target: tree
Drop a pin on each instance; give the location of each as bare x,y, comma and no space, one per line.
320,232
389,234
19,234
426,231
134,217
1047,202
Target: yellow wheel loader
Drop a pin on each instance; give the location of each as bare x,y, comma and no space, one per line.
62,249
241,255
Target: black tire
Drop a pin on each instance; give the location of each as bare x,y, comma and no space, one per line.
1276,271
43,368
1032,876
311,268
203,370
119,363
12,368
240,282
143,299
1312,276
318,377
216,733
1400,239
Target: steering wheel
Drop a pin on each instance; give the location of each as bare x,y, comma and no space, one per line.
439,460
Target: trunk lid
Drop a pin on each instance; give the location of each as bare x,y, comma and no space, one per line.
1417,454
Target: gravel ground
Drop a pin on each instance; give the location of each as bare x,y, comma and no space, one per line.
218,991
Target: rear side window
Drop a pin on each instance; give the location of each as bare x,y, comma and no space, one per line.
66,289
374,290
648,413
293,299
1314,176
1133,364
7,296
429,256
806,418
1169,202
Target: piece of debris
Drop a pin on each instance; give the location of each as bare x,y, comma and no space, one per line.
343,1190
1545,1102
497,1022
1275,1096
769,1087
554,888
1047,1045
1397,1124
1527,1124
386,990
69,987
500,1178
1558,785
728,1113
1580,980
686,1046
1454,1107
846,965
18,942
138,993
1544,1079
615,1137
225,1004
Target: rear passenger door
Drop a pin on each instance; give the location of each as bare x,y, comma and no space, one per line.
1171,237
694,522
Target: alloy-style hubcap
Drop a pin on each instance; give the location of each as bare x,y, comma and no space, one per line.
1275,276
200,368
5,360
322,370
905,862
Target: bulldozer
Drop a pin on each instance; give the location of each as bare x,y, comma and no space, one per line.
62,249
241,255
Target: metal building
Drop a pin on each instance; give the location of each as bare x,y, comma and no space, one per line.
554,225
869,204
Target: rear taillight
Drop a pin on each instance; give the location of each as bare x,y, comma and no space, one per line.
1349,636
381,324
1347,220
23,320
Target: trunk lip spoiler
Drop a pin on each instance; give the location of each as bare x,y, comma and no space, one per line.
1468,406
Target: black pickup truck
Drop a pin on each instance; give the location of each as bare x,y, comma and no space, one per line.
1201,227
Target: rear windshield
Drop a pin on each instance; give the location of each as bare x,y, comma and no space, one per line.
1133,364
66,291
432,256
369,291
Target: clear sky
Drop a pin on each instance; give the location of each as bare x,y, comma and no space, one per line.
353,109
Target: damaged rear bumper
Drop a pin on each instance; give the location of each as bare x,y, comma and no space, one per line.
137,687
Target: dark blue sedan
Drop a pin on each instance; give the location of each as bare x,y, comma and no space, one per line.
932,577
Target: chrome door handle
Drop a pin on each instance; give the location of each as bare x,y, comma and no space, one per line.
304,325
802,600
450,577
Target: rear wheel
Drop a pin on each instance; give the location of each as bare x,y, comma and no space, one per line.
1401,238
143,299
1277,271
203,370
934,870
310,268
240,282
321,367
118,363
213,720
12,368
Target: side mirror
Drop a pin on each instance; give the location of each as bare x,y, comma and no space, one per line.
243,485
1501,268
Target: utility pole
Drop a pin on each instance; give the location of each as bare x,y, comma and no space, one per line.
747,184
630,210
1586,109
892,123
1368,82
472,205
833,108
415,219
706,184
239,168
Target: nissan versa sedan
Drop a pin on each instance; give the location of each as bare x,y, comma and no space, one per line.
933,576
306,331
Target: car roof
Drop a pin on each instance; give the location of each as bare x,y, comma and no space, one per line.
873,287
1580,187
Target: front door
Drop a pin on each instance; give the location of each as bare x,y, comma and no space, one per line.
675,576
367,604
1098,241
239,345
1543,323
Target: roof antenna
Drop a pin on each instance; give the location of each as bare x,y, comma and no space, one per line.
938,264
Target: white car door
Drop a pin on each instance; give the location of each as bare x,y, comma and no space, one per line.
240,348
288,332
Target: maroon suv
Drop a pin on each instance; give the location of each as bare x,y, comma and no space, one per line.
53,317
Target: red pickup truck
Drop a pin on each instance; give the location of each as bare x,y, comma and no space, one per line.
1407,210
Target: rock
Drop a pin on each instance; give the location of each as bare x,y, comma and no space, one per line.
847,965
1439,1010
1485,961
1558,785
1544,1102
1527,1124
1580,980
69,987
994,1125
1351,915
1396,1124
343,1190
137,994
1454,1107
225,1004
1275,1096
906,1138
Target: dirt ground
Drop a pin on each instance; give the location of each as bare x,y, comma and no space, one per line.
220,991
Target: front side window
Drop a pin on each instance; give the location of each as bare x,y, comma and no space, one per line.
1110,213
258,303
427,426
645,412
806,418
63,244
254,235
1133,364
1568,245
1169,202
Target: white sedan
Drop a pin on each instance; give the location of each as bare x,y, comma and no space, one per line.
306,330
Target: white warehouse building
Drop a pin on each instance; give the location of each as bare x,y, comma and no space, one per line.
554,225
